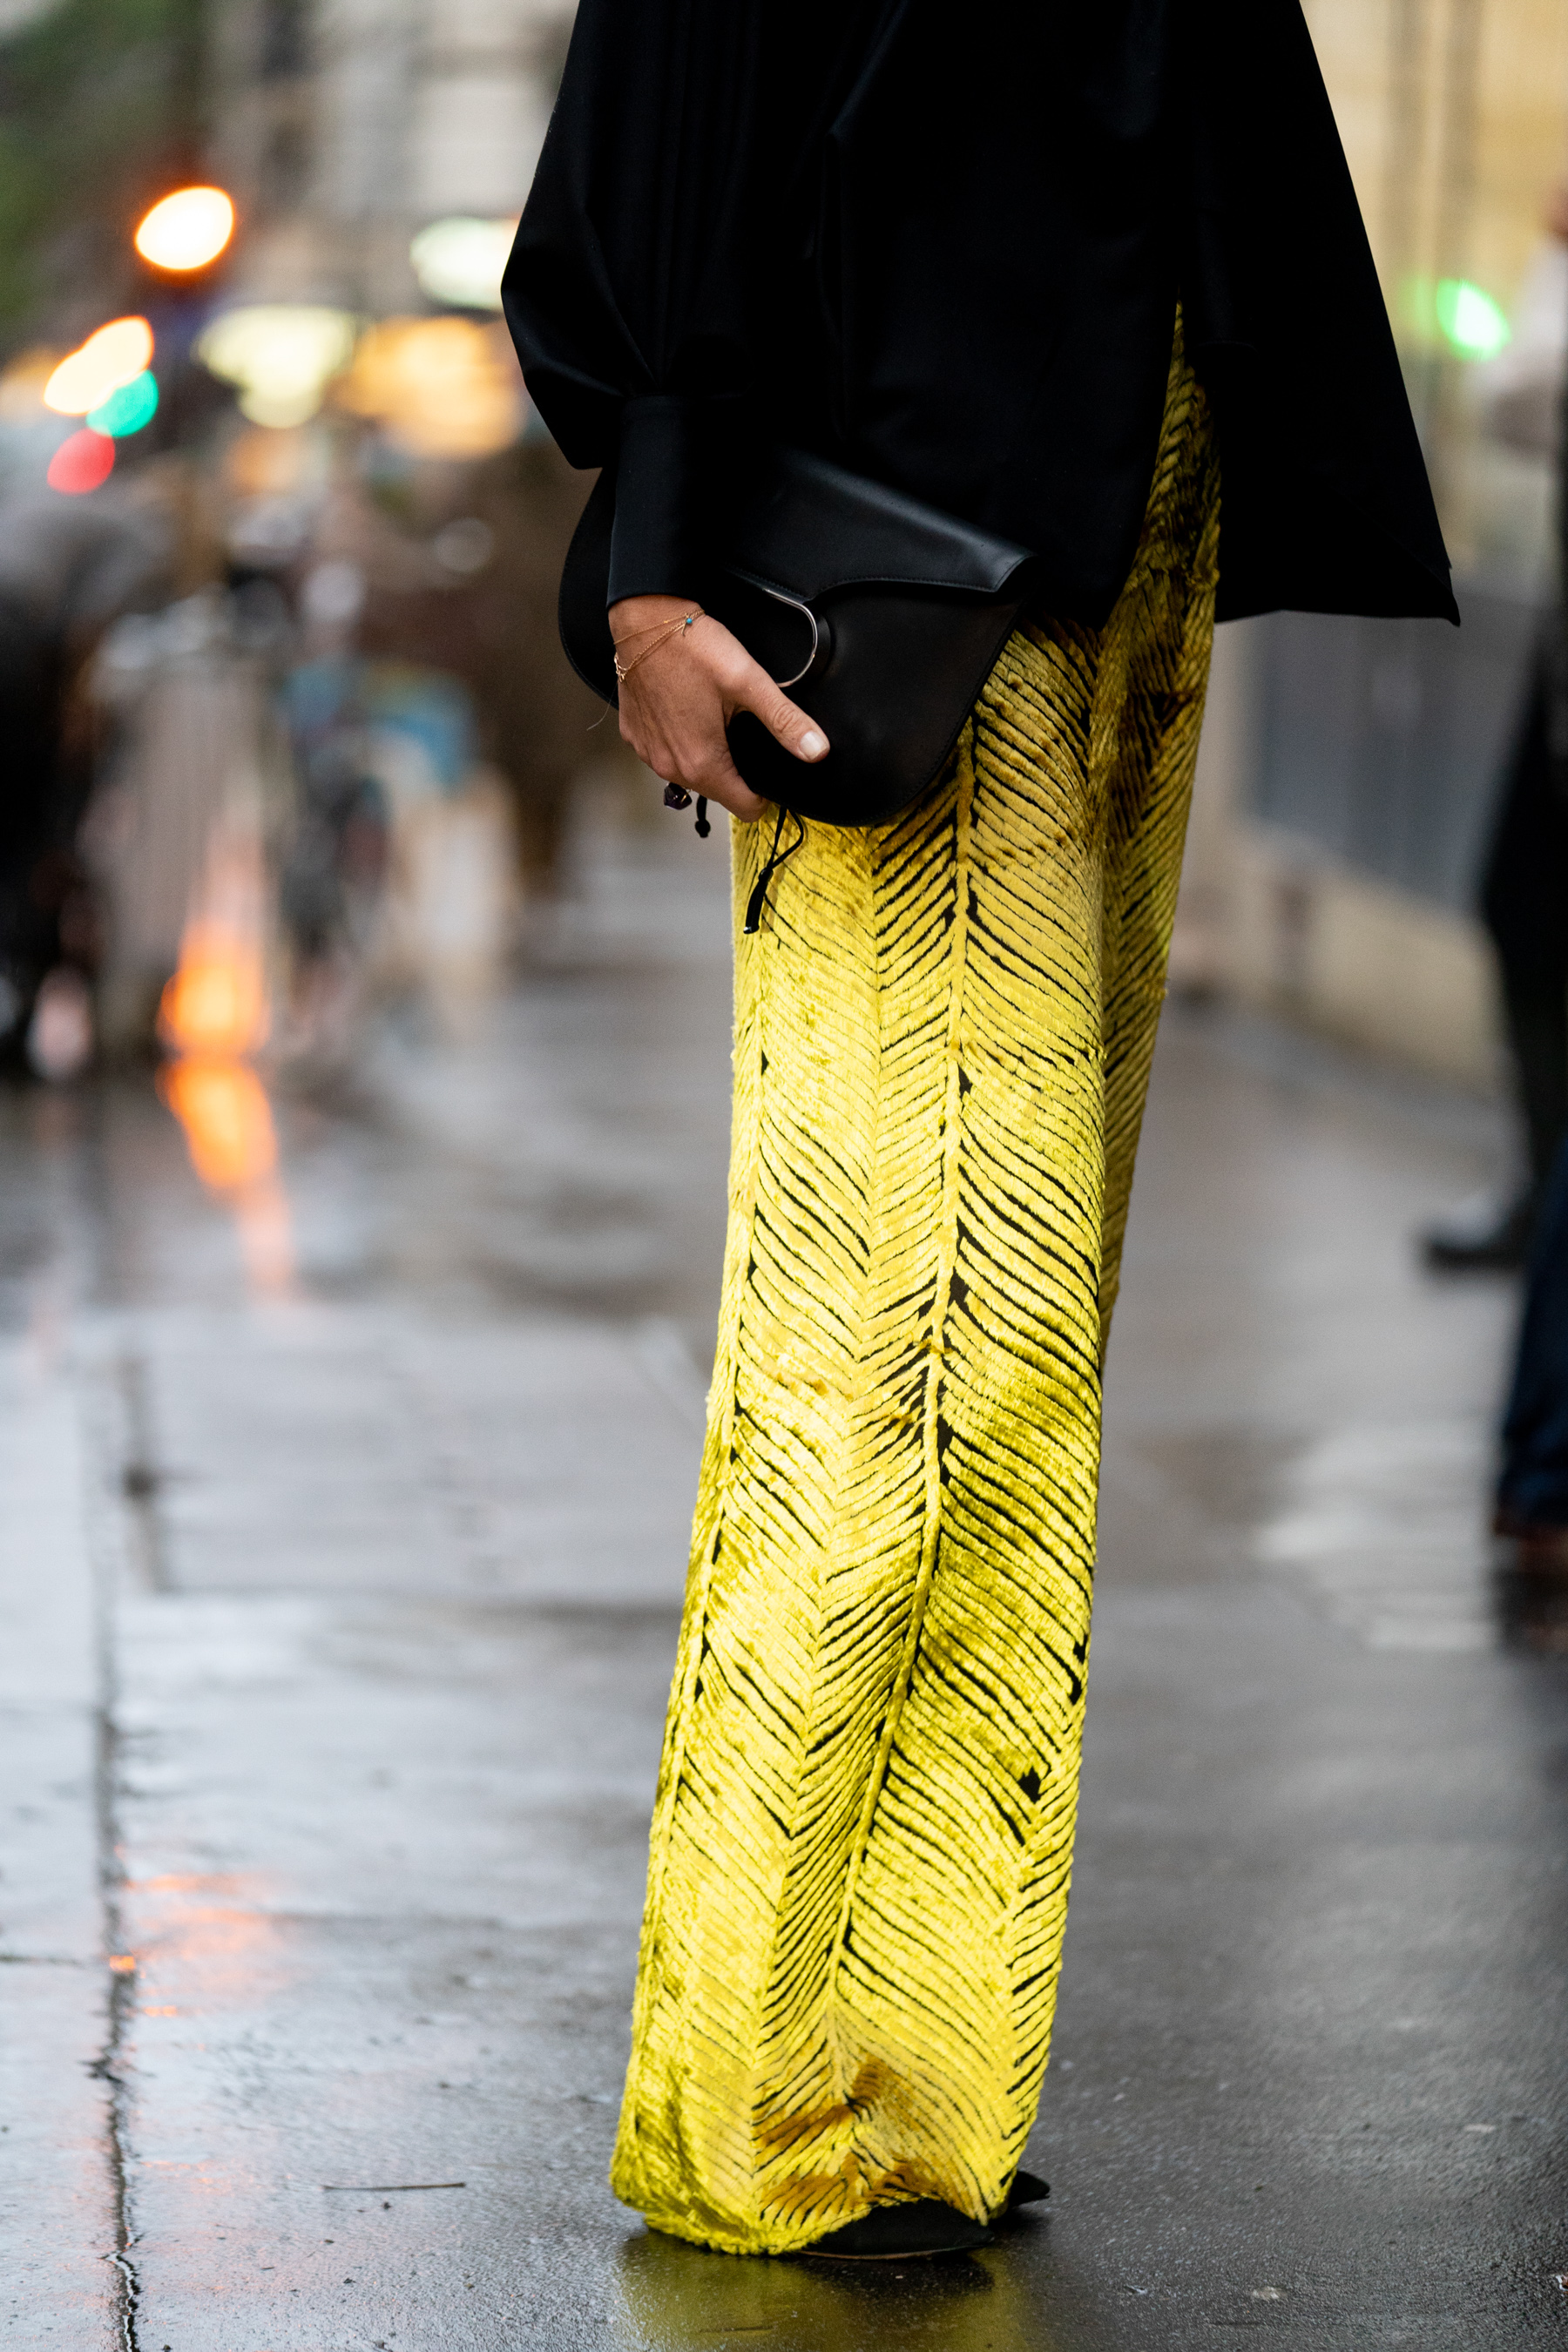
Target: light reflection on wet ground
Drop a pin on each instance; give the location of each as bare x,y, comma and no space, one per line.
377,1450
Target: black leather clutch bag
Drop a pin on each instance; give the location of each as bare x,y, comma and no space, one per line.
880,616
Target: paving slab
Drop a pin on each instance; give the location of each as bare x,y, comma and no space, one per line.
60,2182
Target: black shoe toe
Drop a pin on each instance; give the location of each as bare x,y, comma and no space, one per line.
897,2232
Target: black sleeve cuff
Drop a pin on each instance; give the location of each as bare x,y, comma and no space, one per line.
656,546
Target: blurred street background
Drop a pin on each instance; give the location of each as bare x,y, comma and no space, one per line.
364,1117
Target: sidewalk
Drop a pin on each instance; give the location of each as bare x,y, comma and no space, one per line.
339,1625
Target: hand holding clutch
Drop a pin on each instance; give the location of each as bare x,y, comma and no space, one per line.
680,686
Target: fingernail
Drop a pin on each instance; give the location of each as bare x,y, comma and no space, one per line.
813,745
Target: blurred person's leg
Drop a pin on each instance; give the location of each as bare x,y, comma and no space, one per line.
540,792
1533,1491
1524,903
543,726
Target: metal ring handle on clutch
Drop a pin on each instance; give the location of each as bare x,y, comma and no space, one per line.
795,605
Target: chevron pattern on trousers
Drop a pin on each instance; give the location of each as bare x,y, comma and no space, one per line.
863,1832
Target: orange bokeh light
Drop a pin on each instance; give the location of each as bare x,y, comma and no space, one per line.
217,1001
227,1119
186,230
213,1012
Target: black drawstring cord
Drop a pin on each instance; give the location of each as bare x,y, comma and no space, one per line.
758,899
703,827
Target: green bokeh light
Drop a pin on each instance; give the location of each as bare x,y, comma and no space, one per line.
1473,323
129,409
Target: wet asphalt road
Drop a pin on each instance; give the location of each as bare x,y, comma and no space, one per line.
338,1618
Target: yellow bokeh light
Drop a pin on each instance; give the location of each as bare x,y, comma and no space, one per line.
441,387
187,230
281,355
84,378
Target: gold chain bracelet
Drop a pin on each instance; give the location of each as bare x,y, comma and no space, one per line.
666,629
630,636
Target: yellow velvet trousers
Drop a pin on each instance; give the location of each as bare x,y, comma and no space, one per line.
863,1831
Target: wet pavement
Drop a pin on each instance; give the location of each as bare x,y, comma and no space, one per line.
342,1533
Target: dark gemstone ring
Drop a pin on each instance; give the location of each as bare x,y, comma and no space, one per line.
676,796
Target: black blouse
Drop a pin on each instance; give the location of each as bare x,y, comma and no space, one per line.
945,245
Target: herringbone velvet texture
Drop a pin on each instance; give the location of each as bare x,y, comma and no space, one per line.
864,1825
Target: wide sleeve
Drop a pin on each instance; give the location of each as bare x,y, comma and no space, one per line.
637,258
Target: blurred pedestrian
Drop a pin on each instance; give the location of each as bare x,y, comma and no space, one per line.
332,872
484,609
1042,273
1524,884
192,778
537,715
1532,1490
44,794
66,573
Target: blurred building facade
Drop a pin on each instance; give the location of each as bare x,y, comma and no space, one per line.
343,126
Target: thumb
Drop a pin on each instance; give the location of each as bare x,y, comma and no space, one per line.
784,719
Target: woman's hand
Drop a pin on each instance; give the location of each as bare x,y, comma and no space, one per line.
676,705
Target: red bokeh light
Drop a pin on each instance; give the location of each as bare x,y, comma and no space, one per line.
81,463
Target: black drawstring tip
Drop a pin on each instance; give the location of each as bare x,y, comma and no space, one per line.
703,827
